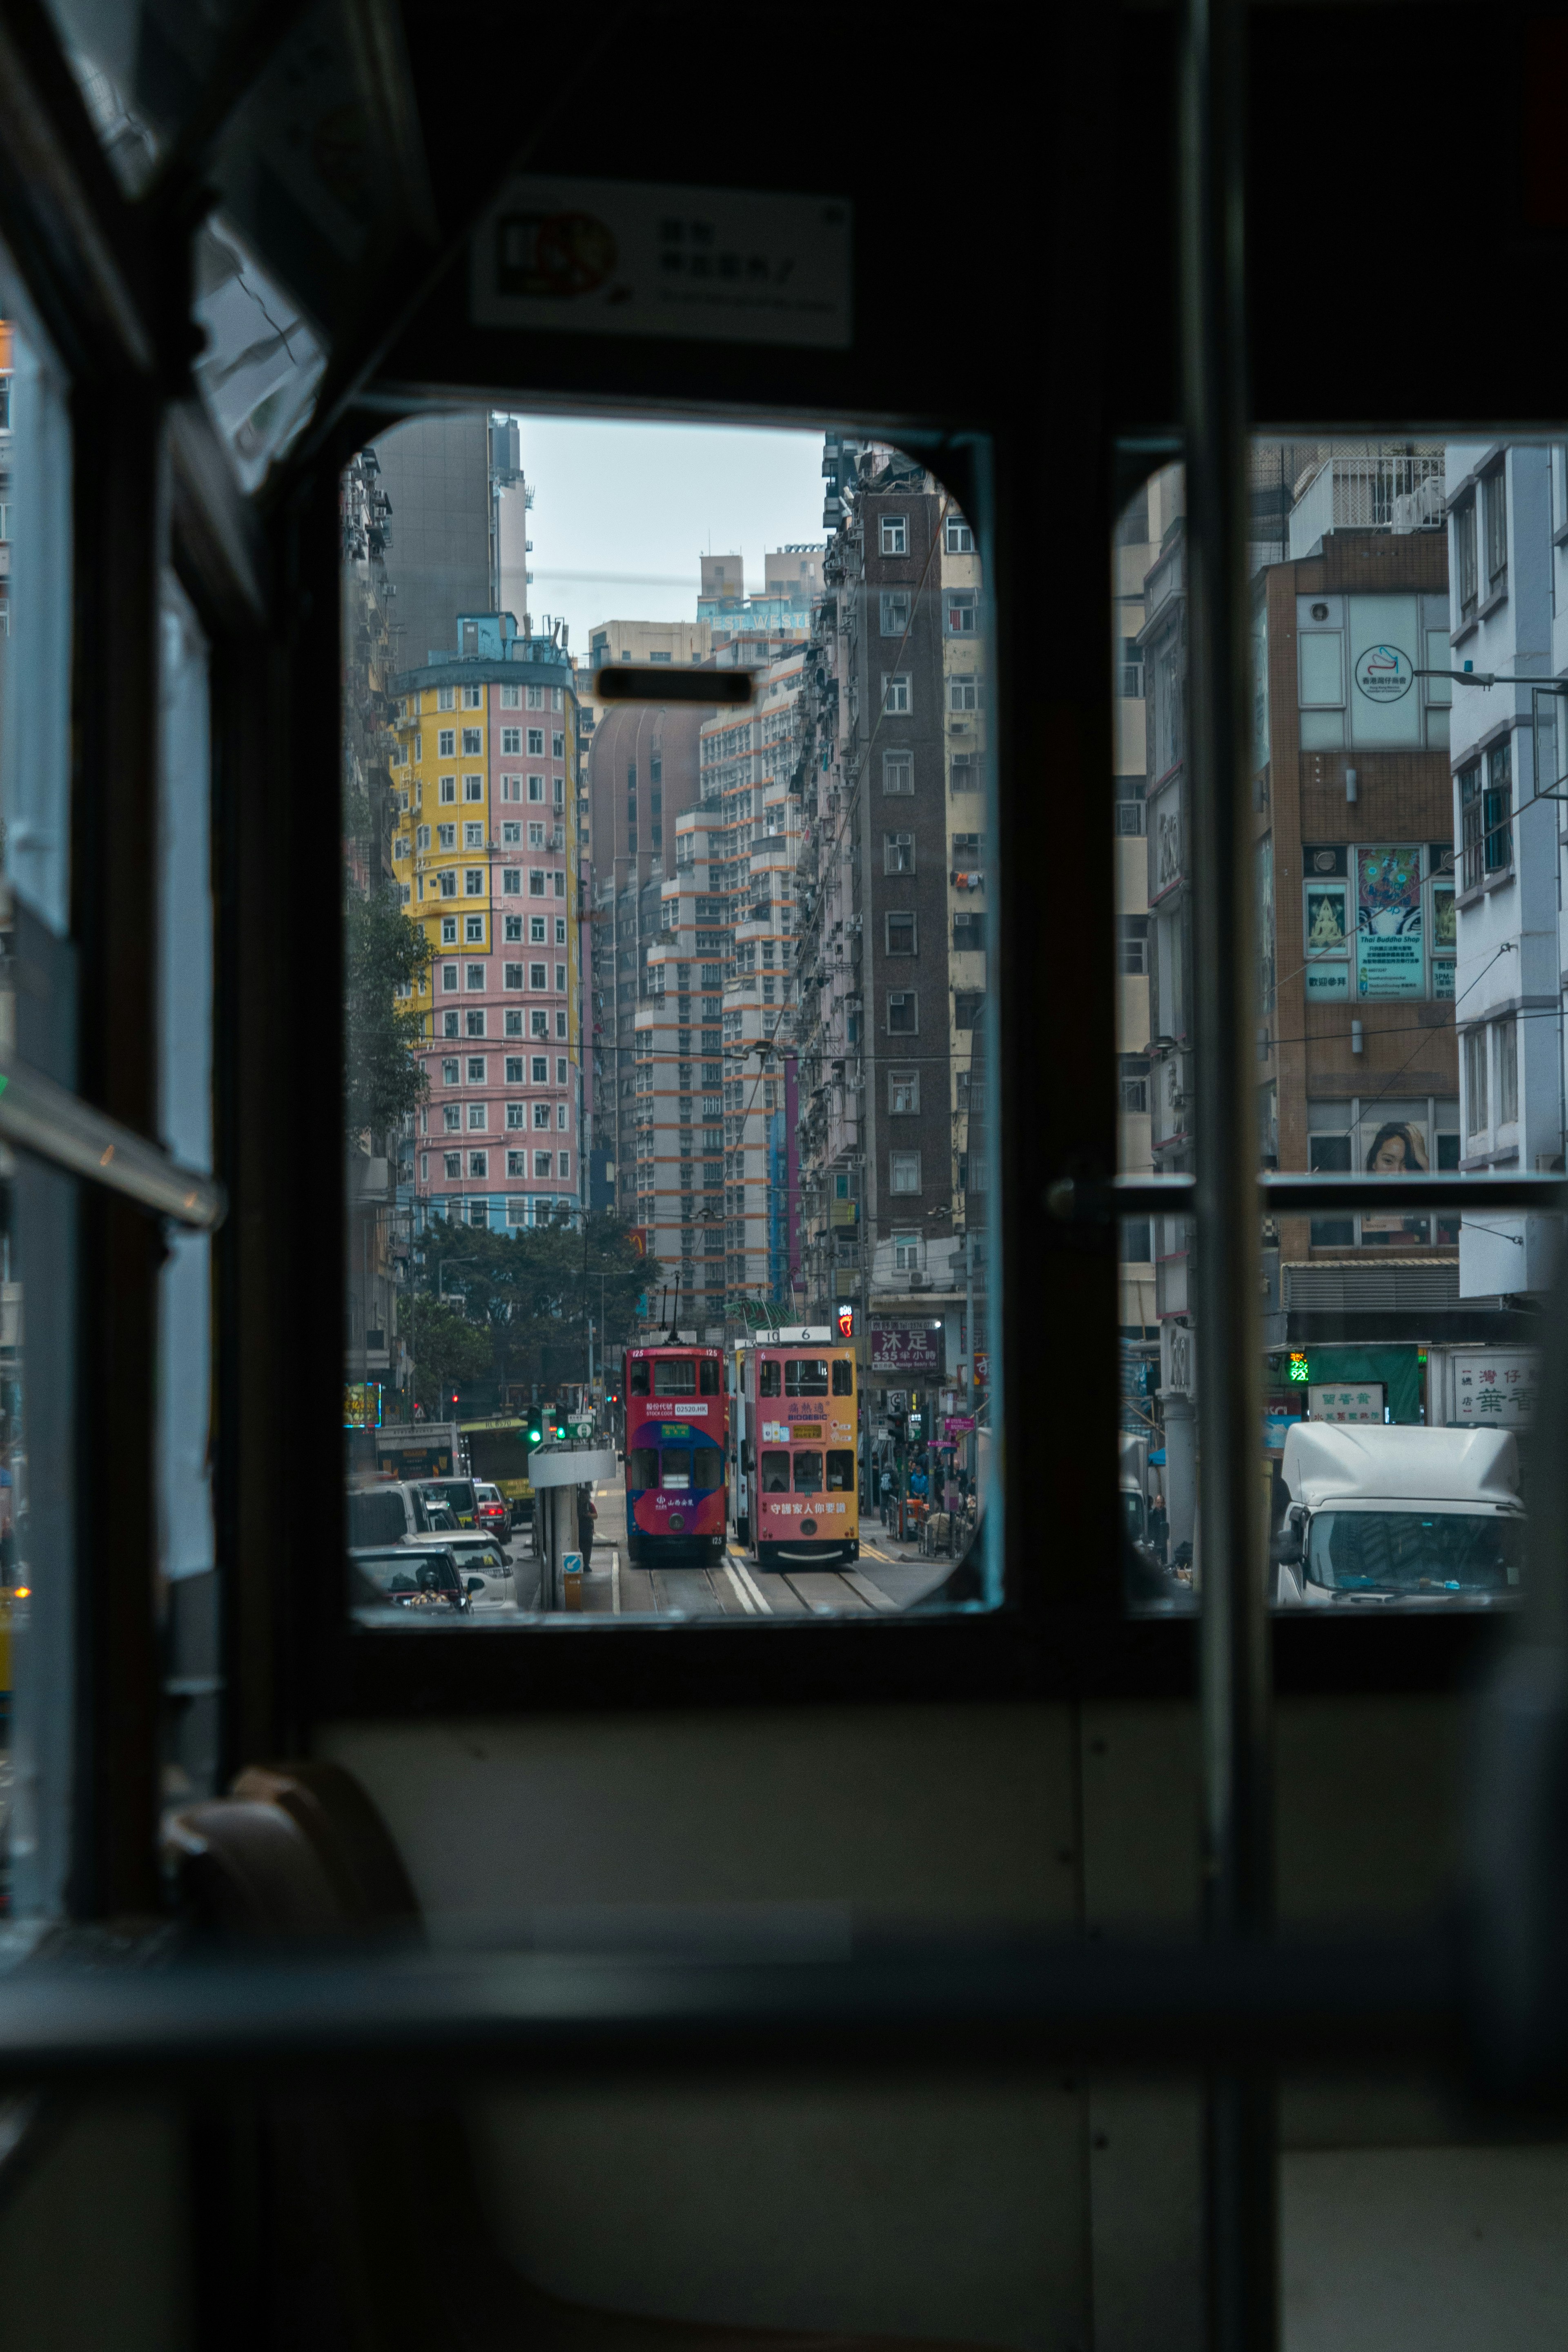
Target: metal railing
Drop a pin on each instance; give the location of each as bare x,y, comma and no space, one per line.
1395,490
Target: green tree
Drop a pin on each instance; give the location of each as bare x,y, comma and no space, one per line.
384,951
448,1351
536,1288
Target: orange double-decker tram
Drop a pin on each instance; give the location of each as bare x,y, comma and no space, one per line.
805,1508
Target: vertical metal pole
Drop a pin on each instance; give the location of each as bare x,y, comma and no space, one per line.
1241,2203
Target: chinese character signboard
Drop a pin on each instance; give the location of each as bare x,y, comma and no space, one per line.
1345,1401
617,258
900,1348
1495,1387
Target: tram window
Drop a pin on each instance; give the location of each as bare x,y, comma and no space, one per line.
711,944
642,1467
706,1468
775,1474
808,1472
1370,932
675,1467
840,1471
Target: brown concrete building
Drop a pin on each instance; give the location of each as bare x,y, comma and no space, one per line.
1354,863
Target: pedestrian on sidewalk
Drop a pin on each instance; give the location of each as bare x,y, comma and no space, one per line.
886,1490
586,1515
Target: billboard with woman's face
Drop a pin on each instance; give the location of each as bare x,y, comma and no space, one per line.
1394,1146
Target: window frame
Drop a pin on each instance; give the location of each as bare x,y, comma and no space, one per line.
1038,1129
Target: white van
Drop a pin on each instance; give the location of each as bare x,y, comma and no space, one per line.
1379,1515
387,1511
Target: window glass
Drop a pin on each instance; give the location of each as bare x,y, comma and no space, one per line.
1396,1035
186,1535
735,895
39,1207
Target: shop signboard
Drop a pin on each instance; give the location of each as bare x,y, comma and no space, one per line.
1388,920
905,1348
1495,1387
1346,1400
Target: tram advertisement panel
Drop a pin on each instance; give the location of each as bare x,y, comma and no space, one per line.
676,1431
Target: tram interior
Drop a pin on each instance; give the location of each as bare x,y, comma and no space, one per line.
762,1981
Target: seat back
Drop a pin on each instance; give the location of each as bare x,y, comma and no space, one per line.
348,1836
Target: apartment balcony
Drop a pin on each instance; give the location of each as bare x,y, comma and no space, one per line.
1390,491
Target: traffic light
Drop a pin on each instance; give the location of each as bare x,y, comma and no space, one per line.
847,1321
535,1425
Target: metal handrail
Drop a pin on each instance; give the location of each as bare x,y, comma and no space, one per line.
979,2004
38,1117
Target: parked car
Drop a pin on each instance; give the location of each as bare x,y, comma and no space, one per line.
387,1511
484,1568
458,1493
400,1576
491,1510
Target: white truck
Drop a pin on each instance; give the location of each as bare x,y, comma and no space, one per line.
1379,1515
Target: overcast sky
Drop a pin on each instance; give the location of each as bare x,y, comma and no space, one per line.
622,512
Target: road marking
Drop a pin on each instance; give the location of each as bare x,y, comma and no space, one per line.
615,1581
743,1575
746,1601
867,1589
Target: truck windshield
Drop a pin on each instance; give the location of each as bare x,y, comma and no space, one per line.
1415,1551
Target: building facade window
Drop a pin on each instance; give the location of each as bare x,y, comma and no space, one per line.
903,1093
1465,568
903,1012
895,611
898,771
473,742
898,852
895,701
1486,814
1476,1120
900,925
1506,1063
1132,944
903,1172
895,535
1494,490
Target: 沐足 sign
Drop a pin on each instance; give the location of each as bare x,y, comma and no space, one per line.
902,1348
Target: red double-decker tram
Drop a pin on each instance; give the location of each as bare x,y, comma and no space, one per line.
677,1449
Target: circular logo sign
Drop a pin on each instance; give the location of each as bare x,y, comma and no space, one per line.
1383,673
